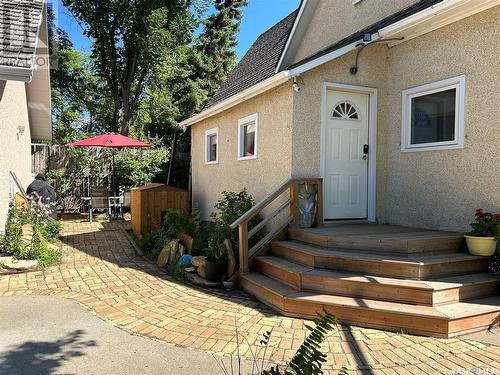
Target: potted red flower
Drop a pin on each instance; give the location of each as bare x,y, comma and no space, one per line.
482,239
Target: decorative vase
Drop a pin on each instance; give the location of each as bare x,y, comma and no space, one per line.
483,246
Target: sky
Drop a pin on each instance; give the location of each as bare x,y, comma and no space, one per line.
258,16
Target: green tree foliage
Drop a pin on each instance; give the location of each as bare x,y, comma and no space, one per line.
79,103
211,58
129,38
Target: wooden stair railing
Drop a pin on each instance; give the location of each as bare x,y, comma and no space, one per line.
292,186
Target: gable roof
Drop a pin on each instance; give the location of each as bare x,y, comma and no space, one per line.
253,75
372,29
19,24
259,63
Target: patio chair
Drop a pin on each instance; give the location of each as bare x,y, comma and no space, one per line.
99,200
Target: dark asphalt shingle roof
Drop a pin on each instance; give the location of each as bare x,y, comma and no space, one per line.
19,22
261,60
259,63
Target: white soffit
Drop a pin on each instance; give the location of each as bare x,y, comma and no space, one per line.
433,18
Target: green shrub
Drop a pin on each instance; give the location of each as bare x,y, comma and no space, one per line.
215,248
176,222
152,243
230,208
45,253
13,243
44,231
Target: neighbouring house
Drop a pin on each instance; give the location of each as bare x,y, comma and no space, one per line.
25,109
394,106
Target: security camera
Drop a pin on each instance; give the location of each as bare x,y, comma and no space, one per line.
296,87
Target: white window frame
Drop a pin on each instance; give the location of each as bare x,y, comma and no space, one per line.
241,123
457,83
207,151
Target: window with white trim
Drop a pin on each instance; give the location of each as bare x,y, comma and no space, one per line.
433,116
212,146
247,137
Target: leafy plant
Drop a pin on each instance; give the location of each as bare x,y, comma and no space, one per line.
218,234
486,224
152,242
495,265
176,222
45,231
135,167
13,243
308,359
45,253
232,206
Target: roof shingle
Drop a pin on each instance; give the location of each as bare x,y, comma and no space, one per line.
259,63
19,23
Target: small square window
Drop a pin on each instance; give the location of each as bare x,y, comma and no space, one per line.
247,137
211,146
433,116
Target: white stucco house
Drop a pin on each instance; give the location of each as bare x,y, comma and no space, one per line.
25,109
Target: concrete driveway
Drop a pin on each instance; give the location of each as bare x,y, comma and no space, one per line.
51,335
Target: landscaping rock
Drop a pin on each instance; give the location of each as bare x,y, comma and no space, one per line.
199,261
163,257
18,265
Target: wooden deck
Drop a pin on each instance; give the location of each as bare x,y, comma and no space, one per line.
379,276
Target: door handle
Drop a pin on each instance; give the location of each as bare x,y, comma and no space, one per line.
366,149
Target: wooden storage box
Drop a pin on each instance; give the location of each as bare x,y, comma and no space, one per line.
150,202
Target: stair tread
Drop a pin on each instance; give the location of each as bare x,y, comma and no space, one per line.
470,308
377,231
453,311
422,259
456,281
438,284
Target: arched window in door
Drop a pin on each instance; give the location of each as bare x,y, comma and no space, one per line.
345,110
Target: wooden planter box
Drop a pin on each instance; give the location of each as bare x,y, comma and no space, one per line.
150,202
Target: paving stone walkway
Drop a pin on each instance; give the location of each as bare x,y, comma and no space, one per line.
101,270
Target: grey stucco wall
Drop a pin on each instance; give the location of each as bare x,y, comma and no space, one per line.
432,189
14,146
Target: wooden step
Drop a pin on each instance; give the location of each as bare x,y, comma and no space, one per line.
442,321
381,239
415,268
440,291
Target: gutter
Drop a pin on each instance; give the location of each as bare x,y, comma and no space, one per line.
434,17
14,73
259,88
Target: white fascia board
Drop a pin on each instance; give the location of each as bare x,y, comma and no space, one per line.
291,38
13,73
433,18
294,72
255,90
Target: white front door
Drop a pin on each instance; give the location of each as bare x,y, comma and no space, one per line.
346,158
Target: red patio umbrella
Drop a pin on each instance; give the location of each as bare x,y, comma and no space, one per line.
110,140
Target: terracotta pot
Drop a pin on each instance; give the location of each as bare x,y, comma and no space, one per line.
484,246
